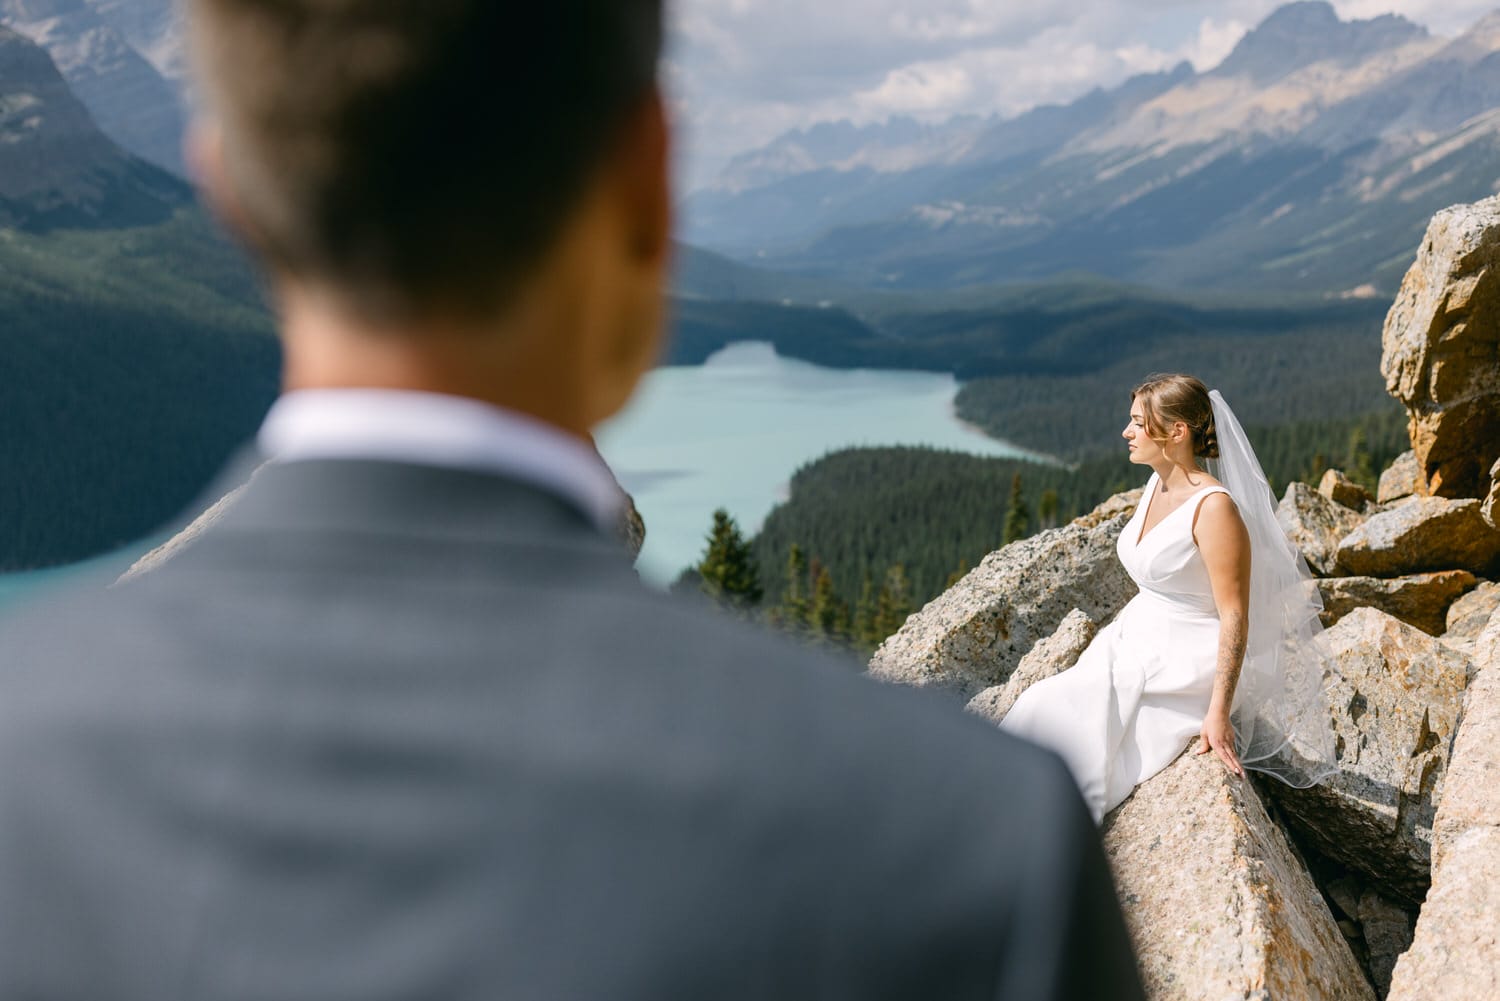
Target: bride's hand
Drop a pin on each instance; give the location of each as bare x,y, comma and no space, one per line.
1218,735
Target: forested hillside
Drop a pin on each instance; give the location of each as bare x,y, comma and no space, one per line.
135,360
925,516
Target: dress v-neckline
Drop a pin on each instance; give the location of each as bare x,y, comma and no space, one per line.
1155,489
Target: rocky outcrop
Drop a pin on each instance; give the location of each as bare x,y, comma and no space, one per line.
1420,600
1427,533
1217,901
1442,351
1403,479
1316,524
1053,655
1341,490
1456,949
973,636
1468,616
1395,708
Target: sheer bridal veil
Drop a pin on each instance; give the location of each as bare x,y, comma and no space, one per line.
1281,713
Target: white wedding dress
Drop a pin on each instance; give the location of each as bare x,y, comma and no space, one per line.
1140,691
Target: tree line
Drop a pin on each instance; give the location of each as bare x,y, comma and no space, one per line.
870,534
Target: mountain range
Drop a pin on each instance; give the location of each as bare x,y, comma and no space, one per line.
1309,160
123,59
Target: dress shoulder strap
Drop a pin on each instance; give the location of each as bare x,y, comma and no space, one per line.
1205,493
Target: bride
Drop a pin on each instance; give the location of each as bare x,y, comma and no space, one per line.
1221,644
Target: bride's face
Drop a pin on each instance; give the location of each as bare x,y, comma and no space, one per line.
1143,449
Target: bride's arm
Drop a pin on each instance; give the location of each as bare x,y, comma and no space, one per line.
1225,545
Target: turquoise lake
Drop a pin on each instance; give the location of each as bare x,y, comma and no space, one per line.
729,433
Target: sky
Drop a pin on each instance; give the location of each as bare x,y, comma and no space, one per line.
741,72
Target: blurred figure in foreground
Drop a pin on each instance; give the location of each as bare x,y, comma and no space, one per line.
404,724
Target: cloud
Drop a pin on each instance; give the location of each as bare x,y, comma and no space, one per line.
744,71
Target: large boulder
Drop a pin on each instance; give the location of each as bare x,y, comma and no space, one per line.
1341,490
1474,775
1316,524
1218,904
1456,950
1468,616
1402,479
1053,655
1427,533
973,635
1420,600
1395,704
1442,350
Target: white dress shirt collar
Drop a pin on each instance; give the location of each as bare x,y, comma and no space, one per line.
438,430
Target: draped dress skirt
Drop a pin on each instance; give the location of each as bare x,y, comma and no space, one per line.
1141,690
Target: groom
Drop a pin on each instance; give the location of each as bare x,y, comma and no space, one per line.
404,725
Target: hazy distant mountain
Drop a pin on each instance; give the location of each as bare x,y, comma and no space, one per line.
1309,160
123,58
56,167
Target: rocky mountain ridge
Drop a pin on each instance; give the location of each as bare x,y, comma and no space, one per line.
56,167
1309,160
124,60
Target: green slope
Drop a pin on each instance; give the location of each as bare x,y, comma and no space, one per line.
134,361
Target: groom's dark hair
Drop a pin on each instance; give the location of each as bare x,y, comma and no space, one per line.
415,155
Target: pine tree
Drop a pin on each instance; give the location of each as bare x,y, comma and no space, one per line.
863,632
791,614
728,570
957,574
894,603
827,615
1360,465
1047,508
1018,517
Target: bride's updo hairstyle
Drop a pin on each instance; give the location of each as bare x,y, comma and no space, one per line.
1167,399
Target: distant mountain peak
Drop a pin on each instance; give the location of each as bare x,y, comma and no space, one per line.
1482,38
1300,34
56,167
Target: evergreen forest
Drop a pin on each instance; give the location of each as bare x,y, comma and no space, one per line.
871,534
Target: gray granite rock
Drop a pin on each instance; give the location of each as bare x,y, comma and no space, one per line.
1420,600
1387,931
973,635
1456,950
1427,533
1050,656
1316,525
1441,350
1468,616
1402,479
1395,707
1218,904
1472,796
1341,490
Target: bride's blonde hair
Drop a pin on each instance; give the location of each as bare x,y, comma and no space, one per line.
1167,399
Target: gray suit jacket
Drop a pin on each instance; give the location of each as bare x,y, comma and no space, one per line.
392,732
